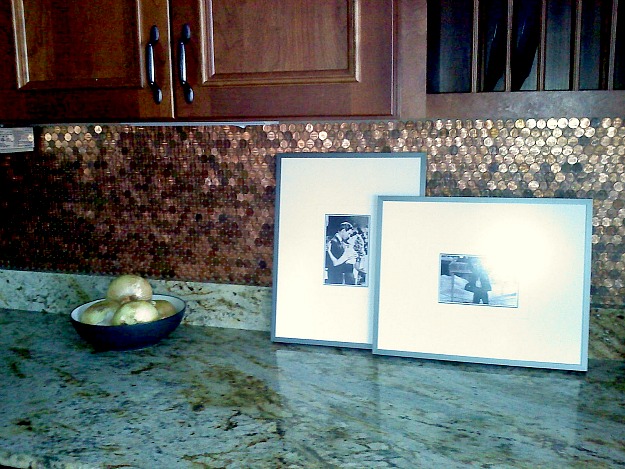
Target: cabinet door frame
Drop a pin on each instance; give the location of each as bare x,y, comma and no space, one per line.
366,88
93,99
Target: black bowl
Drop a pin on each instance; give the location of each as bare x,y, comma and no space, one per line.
127,337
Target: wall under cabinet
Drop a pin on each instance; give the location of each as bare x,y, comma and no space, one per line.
196,203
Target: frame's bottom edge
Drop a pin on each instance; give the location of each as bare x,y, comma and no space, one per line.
582,366
319,342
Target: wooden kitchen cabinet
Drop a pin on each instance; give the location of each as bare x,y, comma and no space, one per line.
214,59
288,59
292,58
77,61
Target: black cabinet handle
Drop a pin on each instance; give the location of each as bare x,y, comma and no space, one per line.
157,94
182,63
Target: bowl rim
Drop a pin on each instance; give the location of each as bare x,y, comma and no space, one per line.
156,296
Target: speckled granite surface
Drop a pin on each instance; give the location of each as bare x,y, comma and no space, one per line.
228,306
208,304
227,398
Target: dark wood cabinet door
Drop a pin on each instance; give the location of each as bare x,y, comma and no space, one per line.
84,60
283,58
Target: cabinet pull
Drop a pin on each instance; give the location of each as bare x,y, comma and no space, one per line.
182,63
157,94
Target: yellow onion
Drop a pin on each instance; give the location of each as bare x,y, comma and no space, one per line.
135,312
100,312
164,308
128,287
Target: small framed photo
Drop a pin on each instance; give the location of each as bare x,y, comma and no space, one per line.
484,280
325,242
347,250
478,280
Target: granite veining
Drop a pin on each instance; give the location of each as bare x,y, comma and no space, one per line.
222,305
228,398
208,304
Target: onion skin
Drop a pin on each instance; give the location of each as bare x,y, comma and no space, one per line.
127,288
135,312
164,308
100,313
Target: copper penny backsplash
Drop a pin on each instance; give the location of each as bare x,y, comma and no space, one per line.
197,202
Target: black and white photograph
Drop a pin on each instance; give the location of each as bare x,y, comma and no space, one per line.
347,250
476,280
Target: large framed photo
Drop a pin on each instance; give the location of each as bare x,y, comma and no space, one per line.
325,241
485,280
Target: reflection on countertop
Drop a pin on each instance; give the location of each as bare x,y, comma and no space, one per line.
212,397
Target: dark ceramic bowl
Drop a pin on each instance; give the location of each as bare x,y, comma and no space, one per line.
127,337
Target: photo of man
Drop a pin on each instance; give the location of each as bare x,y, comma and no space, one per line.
477,280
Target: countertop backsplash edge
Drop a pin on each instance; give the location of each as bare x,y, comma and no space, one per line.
208,304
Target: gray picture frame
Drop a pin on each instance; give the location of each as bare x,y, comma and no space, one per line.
548,241
309,187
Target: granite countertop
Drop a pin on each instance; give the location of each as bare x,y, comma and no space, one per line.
226,398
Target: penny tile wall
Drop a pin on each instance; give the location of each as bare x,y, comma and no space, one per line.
197,202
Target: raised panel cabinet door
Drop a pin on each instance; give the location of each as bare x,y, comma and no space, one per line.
283,58
109,59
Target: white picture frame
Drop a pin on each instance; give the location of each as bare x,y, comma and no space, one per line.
541,248
313,194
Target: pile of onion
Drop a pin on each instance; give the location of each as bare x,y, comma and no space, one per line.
128,301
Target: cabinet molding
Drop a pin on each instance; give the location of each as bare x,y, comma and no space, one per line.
284,46
58,47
